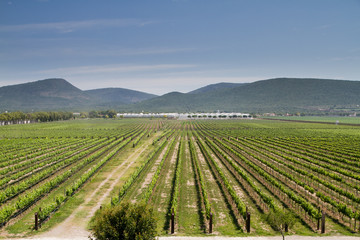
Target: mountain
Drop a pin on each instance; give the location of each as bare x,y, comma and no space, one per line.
217,86
280,95
46,94
57,94
170,102
119,95
273,95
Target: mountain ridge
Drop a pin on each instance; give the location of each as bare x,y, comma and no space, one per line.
271,95
278,94
121,95
216,86
59,94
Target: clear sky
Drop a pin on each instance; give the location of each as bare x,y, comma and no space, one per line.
158,46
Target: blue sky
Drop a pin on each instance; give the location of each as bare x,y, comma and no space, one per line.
160,46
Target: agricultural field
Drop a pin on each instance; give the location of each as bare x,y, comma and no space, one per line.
329,119
232,173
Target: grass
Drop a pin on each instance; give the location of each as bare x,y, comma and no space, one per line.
160,199
223,218
327,119
189,220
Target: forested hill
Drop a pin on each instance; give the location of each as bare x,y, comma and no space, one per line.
279,95
49,94
217,86
119,95
273,95
57,94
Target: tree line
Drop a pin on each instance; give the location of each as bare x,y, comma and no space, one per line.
8,118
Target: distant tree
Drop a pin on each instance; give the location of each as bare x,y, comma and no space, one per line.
111,113
125,221
84,115
42,116
93,114
4,117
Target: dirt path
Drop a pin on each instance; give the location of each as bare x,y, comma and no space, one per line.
74,227
151,173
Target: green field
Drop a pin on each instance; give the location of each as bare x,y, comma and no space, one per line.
193,168
332,119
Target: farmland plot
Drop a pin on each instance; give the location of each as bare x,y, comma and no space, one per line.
222,177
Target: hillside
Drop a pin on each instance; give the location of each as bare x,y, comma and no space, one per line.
119,95
217,86
59,95
274,95
46,94
280,95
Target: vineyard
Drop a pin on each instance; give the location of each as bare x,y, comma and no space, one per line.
201,176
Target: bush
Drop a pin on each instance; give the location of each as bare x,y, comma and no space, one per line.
281,220
125,221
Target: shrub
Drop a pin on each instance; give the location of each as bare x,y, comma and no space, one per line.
125,221
281,220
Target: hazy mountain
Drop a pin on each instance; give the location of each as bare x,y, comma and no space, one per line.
58,94
119,95
274,95
281,94
46,94
216,86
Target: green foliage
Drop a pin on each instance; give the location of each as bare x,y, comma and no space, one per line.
19,117
274,95
176,191
307,165
279,219
147,194
135,174
222,177
310,209
201,179
125,221
103,114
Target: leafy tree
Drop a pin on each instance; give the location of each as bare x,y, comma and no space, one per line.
84,115
111,113
93,114
125,221
281,220
4,117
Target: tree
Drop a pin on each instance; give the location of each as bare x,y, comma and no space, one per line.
93,114
84,115
125,221
281,220
111,113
